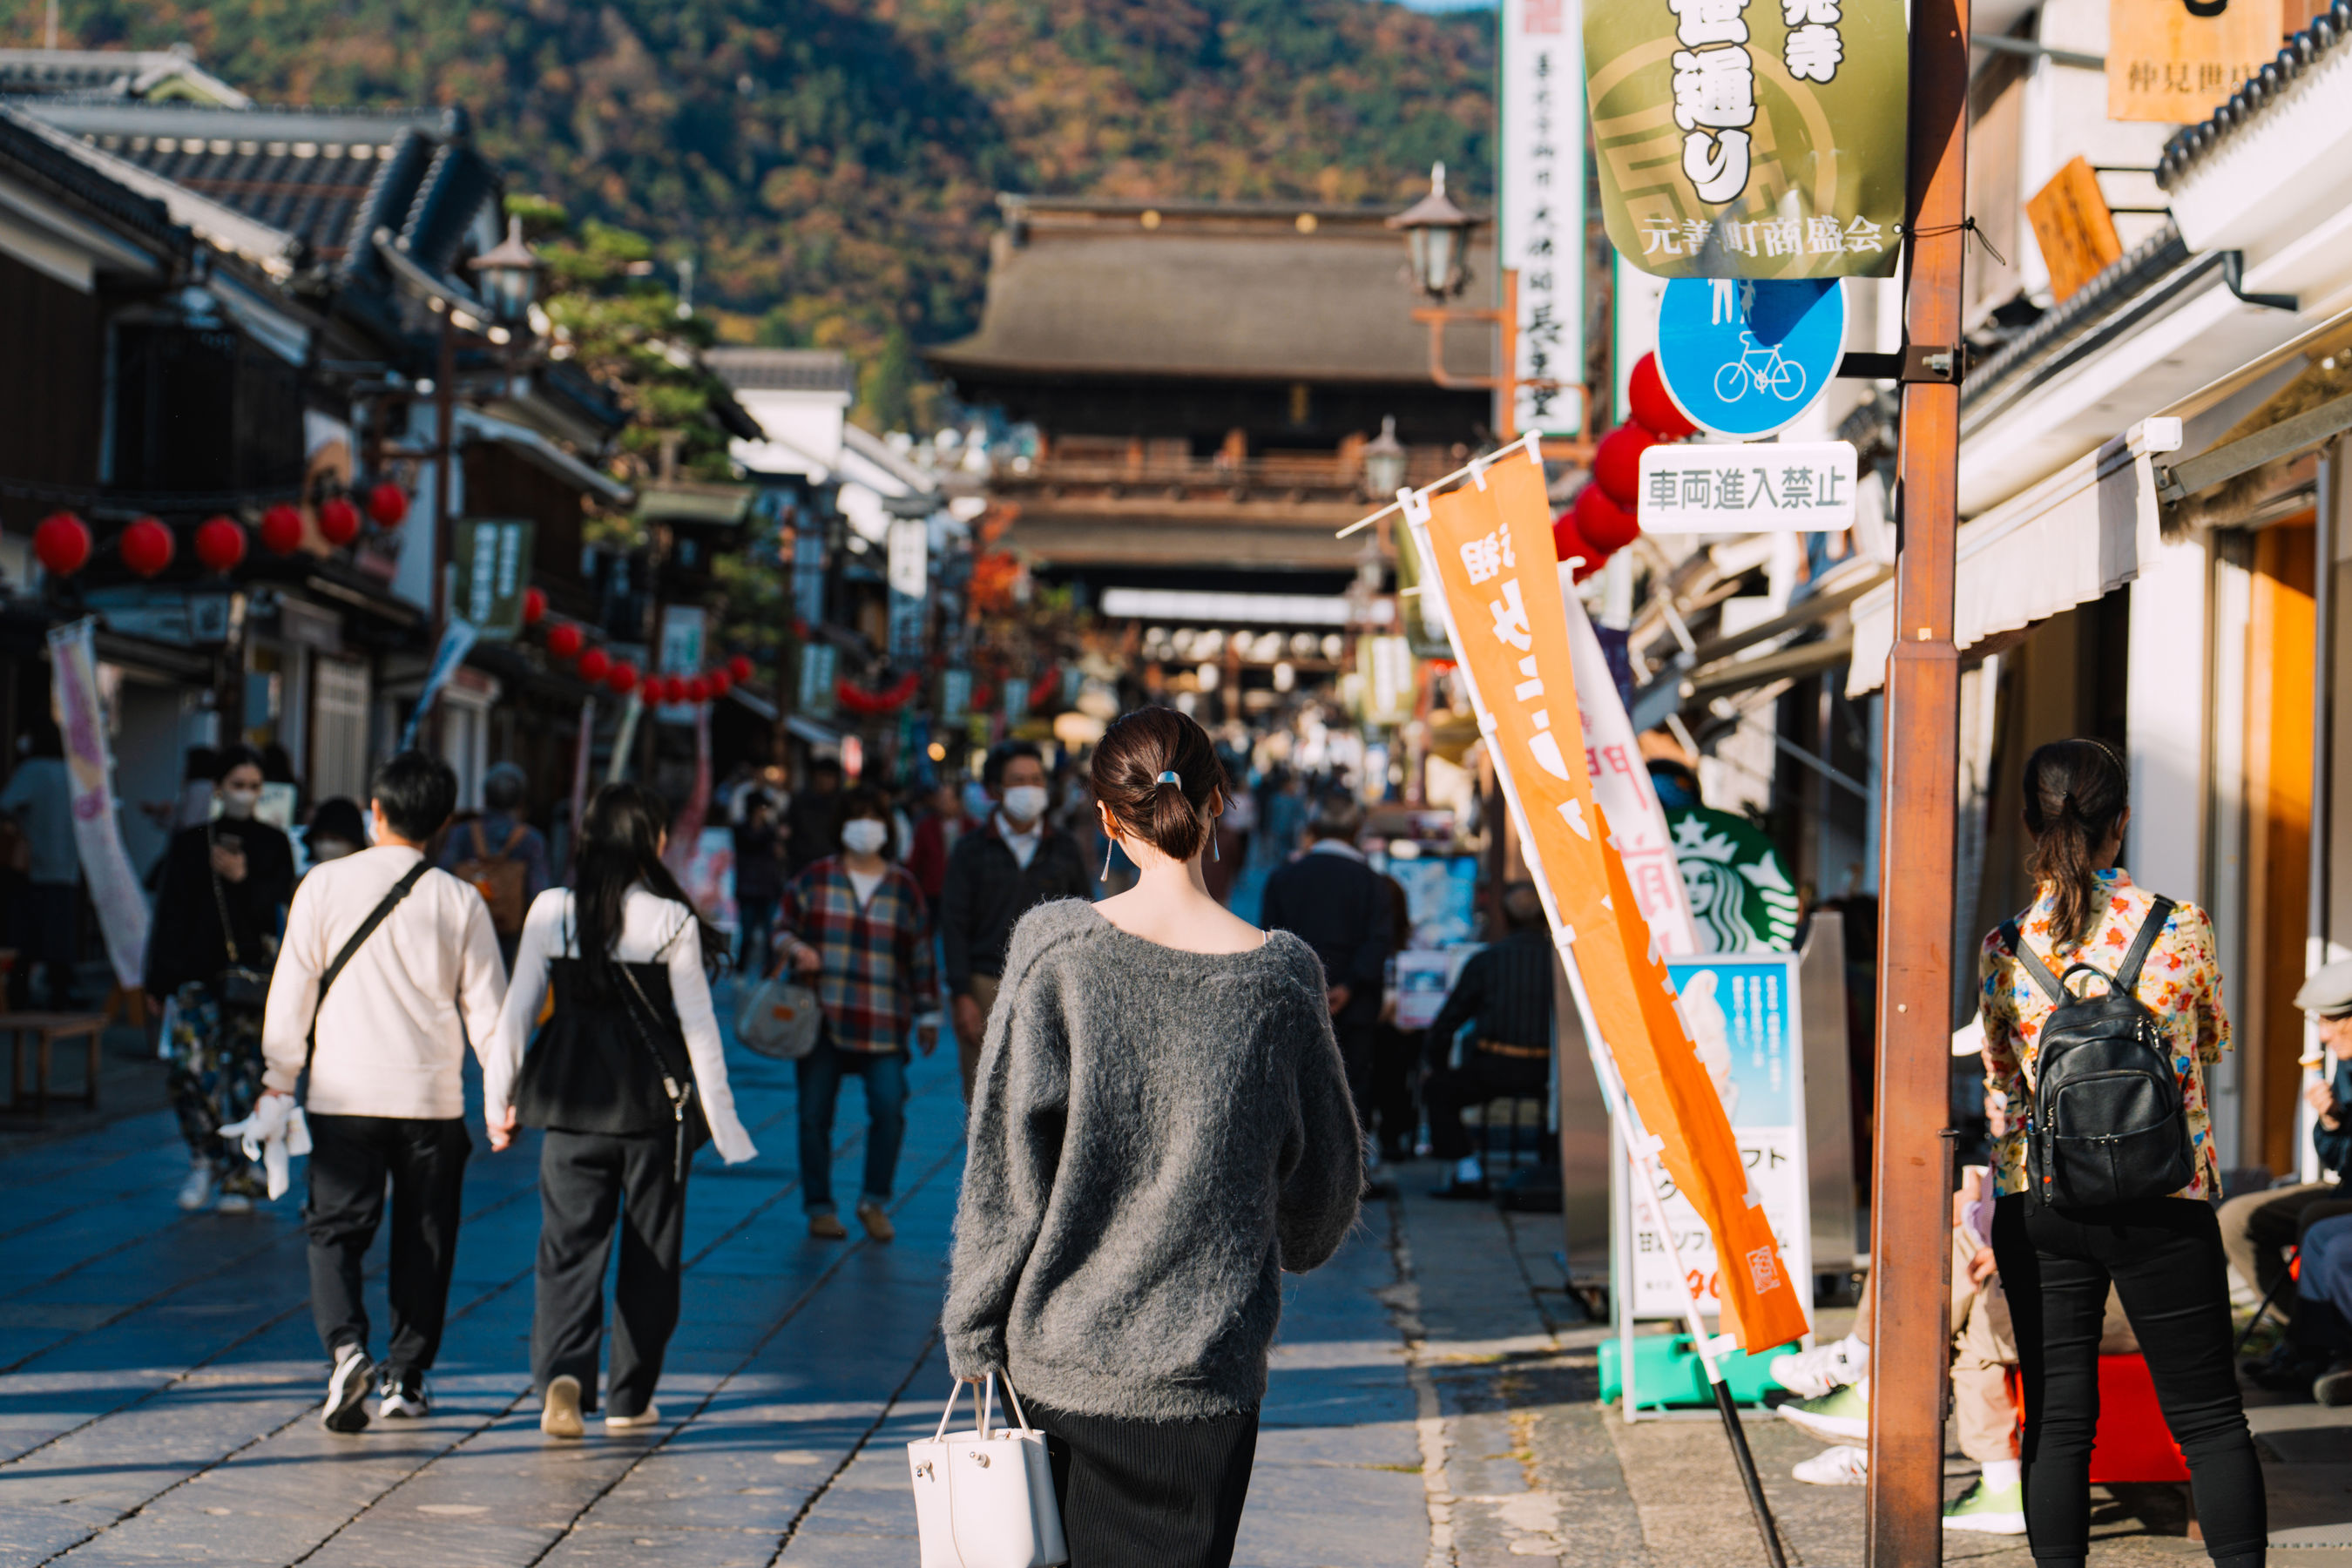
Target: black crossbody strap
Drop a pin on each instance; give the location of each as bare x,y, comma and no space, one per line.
2127,977
376,917
2015,940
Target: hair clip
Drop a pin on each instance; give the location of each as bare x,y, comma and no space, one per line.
1170,776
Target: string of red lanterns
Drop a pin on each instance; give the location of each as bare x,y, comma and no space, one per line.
64,544
567,643
1605,517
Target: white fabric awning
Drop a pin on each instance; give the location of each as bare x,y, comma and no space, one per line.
2076,535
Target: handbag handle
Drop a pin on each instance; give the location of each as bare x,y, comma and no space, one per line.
983,1401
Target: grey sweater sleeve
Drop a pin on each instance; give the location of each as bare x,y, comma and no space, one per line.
1323,1165
1014,1144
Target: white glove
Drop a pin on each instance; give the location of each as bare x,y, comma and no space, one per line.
263,1135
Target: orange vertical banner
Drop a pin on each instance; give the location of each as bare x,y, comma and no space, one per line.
1490,540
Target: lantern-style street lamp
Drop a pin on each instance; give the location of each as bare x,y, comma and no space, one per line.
1384,459
1437,235
509,274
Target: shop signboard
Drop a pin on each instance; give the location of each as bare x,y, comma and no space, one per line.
2176,60
1542,207
1741,895
820,672
1751,138
493,568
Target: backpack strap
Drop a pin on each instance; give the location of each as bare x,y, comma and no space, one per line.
513,840
376,917
2127,976
481,847
2015,940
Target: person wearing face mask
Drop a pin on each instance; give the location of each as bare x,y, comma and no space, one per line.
855,926
336,829
213,941
999,871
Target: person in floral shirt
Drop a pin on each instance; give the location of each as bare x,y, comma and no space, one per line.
2162,1256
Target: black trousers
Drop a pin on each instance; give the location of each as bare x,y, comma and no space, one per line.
1394,1052
1483,1076
2163,1256
585,1180
1150,1494
351,1158
1356,1055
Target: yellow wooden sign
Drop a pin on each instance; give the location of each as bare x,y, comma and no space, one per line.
2176,60
2073,228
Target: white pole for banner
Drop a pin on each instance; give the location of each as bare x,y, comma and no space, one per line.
1641,1146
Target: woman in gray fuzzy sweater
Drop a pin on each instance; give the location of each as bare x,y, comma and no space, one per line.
1160,1128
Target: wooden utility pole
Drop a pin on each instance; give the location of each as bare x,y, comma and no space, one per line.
1910,1182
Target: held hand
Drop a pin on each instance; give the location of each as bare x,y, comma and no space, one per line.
2321,1102
806,961
1338,997
927,1037
230,863
971,1023
502,1130
1982,1267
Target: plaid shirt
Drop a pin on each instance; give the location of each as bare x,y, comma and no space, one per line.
875,965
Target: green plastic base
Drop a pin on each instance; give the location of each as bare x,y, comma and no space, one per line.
1668,1375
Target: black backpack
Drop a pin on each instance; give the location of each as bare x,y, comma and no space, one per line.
2106,1124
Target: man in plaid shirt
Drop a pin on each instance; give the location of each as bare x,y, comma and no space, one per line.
856,923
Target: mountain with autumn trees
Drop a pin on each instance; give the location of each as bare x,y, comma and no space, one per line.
831,165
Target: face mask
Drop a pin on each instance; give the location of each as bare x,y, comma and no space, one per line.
239,801
1025,802
323,849
863,836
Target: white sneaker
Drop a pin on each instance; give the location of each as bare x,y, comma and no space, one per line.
233,1203
345,1410
559,1416
1813,1373
197,1190
649,1416
1843,1466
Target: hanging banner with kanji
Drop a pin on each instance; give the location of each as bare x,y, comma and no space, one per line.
1621,783
1541,209
1751,138
1492,549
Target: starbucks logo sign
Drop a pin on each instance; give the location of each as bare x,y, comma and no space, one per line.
1741,895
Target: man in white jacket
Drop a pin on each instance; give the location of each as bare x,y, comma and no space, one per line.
387,1091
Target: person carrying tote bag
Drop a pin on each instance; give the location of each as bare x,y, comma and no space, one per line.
2102,1014
1160,1126
628,1076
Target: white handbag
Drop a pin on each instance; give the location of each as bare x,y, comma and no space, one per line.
779,1019
984,1498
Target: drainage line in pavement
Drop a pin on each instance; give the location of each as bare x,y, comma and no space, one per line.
792,1525
1429,1414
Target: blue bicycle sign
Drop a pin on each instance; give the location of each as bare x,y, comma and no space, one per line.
1747,357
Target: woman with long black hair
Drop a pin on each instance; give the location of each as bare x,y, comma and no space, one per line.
2162,1253
628,1076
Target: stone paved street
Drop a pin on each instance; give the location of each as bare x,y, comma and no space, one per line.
1432,1399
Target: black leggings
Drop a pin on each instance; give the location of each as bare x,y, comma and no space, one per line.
1150,1494
2164,1256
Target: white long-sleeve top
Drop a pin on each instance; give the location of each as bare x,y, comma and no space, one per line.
392,1032
654,930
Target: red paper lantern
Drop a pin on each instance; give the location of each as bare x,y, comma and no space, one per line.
146,546
623,678
594,665
1569,544
563,641
534,607
62,543
664,689
388,504
220,544
698,690
1601,523
719,682
339,520
281,529
1617,464
740,666
1653,408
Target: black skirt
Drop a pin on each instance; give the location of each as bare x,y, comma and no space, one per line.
1150,1494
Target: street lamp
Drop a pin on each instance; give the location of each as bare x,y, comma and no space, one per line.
1384,459
1437,235
509,274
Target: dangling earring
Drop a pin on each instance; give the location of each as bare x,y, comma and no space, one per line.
1215,853
1108,844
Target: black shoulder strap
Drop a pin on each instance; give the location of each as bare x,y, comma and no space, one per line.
2127,977
376,916
2014,940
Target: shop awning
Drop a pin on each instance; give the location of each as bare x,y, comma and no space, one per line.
2076,535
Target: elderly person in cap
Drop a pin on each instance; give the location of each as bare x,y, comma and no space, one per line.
2258,1227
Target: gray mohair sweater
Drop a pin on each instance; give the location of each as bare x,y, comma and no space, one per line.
1155,1136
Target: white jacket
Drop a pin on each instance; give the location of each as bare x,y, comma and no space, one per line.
654,930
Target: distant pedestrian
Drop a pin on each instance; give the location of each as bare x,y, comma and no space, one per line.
999,871
1162,1126
2163,1254
1504,993
501,855
813,820
209,953
336,829
855,925
1396,1052
39,797
628,1076
758,882
1332,898
936,829
392,968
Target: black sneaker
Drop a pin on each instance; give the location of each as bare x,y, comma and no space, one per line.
347,1391
2333,1386
402,1396
2288,1369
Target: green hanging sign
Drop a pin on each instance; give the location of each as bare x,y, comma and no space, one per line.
1741,895
1751,138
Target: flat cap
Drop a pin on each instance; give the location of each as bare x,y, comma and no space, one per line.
2328,990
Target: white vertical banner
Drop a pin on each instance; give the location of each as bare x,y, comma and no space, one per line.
114,891
909,557
1543,204
1621,783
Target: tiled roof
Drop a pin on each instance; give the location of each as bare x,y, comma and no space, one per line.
2192,142
126,73
781,370
31,156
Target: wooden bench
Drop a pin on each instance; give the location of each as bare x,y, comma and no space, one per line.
48,1029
